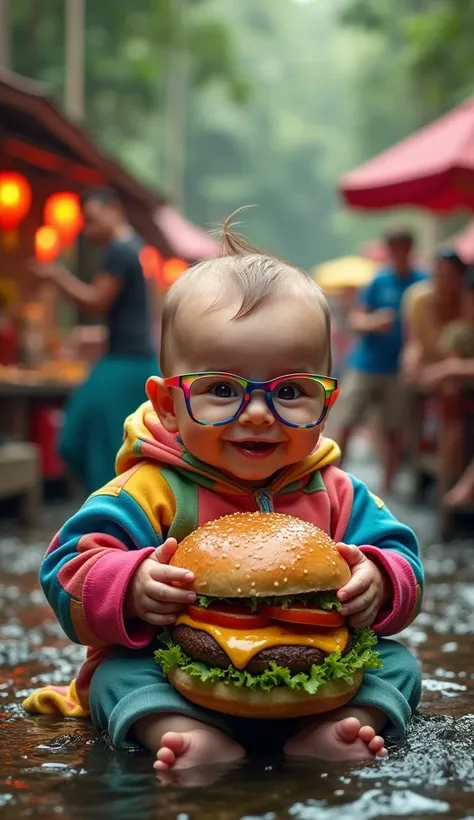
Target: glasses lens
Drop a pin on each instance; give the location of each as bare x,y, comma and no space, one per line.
300,400
215,398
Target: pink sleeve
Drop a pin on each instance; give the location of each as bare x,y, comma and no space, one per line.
398,610
103,599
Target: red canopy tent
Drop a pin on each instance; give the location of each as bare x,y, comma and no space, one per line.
432,169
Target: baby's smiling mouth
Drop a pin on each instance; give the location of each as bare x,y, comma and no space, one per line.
255,448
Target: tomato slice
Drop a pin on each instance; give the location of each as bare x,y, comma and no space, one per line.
228,616
304,615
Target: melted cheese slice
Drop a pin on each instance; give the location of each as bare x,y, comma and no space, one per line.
242,644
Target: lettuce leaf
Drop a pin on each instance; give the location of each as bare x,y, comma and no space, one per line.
323,600
334,667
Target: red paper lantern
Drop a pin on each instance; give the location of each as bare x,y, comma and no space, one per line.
15,202
47,244
173,269
151,262
63,212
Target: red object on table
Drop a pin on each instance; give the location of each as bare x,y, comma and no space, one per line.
45,427
433,168
8,345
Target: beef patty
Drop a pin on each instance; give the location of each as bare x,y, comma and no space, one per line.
202,647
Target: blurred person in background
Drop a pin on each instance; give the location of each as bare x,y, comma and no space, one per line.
428,307
117,294
456,345
373,381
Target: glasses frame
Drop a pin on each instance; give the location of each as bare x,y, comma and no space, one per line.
185,381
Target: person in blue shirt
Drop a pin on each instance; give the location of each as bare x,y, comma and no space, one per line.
372,381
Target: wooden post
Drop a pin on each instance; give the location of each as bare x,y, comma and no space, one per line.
75,47
5,34
175,111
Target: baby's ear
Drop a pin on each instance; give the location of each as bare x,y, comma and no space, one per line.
163,403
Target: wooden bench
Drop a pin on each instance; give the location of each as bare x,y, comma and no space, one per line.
20,476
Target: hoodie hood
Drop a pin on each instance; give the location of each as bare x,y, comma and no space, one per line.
145,439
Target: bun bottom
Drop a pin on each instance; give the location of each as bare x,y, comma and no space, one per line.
281,702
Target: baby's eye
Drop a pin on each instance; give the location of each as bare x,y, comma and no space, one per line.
222,390
288,392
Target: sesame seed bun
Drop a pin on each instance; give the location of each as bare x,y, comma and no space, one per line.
261,555
281,702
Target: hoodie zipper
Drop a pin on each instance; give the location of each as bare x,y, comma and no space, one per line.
264,501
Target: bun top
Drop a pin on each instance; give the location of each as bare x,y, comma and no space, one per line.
261,555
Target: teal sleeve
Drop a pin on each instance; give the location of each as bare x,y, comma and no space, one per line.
90,562
371,522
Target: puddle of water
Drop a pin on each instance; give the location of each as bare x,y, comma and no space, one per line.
52,767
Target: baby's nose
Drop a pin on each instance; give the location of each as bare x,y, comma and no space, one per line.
257,411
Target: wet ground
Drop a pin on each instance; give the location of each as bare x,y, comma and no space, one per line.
53,767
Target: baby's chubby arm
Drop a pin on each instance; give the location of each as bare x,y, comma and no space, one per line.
107,553
157,591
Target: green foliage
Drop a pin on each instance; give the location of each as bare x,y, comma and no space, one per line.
281,98
334,667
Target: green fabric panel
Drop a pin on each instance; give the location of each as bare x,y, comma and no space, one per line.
186,496
315,483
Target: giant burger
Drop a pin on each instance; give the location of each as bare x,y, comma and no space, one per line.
265,637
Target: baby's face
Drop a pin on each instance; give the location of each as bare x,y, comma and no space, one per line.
282,336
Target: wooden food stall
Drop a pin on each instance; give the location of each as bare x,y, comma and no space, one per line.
46,161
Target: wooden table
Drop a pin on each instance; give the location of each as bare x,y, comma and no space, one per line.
19,398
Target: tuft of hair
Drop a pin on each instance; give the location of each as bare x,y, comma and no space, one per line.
399,235
102,194
243,269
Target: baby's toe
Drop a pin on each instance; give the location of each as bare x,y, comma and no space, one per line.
165,757
377,745
367,734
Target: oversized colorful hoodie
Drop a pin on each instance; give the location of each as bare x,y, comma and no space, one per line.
161,490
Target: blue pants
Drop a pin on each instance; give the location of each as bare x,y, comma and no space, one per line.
95,414
129,685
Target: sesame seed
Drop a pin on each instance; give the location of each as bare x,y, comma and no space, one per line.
237,566
285,580
305,572
239,590
276,584
253,583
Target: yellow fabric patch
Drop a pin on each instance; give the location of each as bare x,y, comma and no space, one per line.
153,494
378,501
56,700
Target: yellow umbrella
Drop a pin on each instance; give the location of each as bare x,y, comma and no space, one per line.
346,272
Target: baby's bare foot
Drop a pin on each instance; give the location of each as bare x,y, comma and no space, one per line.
337,740
198,747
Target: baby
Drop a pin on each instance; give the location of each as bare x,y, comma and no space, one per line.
224,432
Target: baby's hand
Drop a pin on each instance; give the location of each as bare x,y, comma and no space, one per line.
365,593
150,595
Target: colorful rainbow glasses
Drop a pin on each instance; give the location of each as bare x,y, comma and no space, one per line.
299,400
